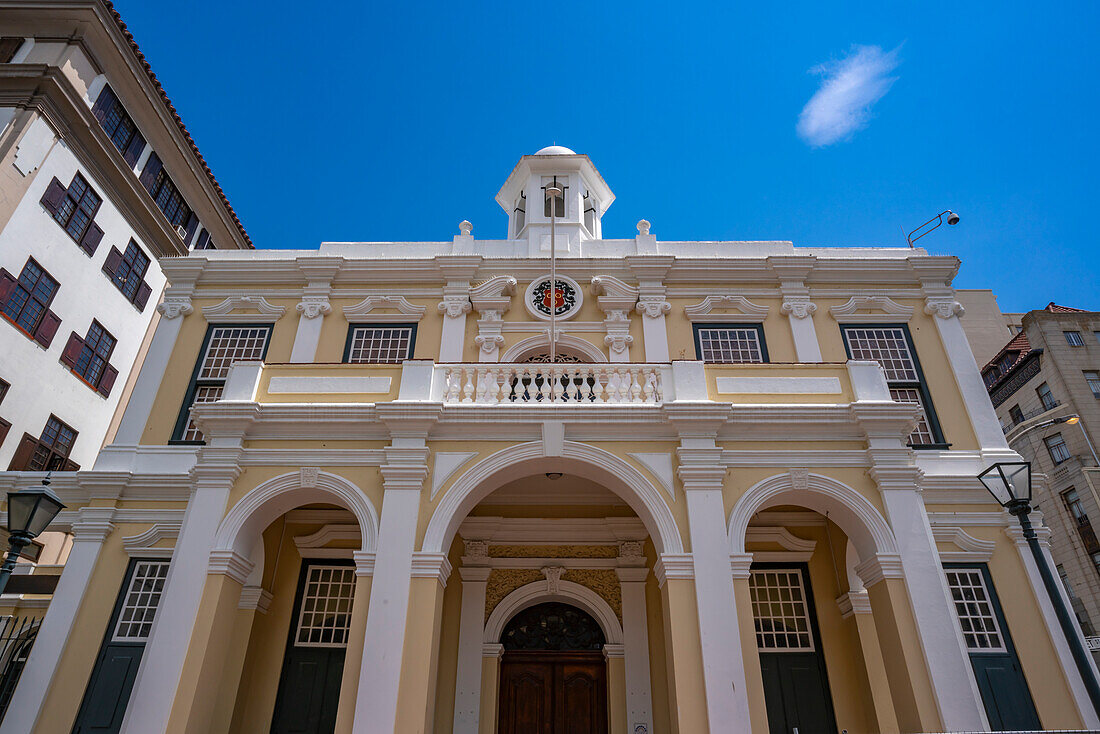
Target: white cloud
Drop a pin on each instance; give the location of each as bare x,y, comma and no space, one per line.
849,89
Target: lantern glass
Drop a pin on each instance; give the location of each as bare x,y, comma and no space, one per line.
30,511
1008,481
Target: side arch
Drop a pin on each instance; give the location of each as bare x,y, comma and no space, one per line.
568,592
263,504
576,458
861,521
515,352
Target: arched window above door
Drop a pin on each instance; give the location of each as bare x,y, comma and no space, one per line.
552,626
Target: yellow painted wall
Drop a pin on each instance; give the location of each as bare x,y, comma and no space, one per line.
777,328
448,645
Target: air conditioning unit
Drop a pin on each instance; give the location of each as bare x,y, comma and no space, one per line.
182,232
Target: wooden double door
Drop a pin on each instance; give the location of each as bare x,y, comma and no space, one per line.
553,692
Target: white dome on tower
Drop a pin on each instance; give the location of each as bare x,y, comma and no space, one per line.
556,150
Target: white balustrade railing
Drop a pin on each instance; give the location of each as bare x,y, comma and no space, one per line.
586,384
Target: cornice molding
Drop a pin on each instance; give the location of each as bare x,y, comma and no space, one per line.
230,563
431,565
141,545
239,309
872,308
674,566
363,310
970,548
748,311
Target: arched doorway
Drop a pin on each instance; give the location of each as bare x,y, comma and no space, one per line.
553,676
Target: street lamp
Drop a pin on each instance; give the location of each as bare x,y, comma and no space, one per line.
1010,484
952,220
29,512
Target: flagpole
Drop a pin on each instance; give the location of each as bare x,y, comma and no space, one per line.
553,192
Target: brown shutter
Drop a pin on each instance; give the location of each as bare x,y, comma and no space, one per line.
91,239
55,193
47,328
72,351
103,104
149,173
142,296
7,285
110,265
23,453
4,428
134,149
107,381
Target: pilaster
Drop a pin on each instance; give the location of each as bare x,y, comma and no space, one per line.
632,581
491,300
458,271
468,680
792,272
650,270
314,306
617,300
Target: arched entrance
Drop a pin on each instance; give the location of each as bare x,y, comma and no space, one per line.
553,676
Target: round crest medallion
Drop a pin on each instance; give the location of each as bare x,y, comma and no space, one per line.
565,299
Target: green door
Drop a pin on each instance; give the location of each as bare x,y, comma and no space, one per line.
1001,682
796,688
309,687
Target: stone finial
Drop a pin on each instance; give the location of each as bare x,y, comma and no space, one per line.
465,227
643,226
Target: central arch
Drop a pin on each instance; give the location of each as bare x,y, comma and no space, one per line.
568,592
580,459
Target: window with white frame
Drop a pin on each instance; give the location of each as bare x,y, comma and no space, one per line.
380,343
1056,447
325,615
224,346
730,343
974,608
1073,338
780,611
1092,377
1046,397
891,348
142,599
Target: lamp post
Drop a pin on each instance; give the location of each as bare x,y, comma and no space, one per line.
553,193
1010,484
952,220
29,512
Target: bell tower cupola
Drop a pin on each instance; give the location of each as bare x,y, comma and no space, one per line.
576,213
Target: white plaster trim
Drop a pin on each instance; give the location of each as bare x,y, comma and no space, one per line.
581,459
854,513
542,341
660,466
141,545
326,535
256,598
344,553
230,563
431,565
853,602
492,650
879,567
779,535
364,562
537,592
871,308
284,384
673,566
779,385
741,564
971,549
224,312
527,294
446,463
782,556
553,531
749,312
363,311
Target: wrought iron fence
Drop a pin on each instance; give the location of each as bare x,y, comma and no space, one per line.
17,635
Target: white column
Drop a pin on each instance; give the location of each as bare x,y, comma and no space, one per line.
312,310
974,394
467,718
956,691
719,633
1050,619
140,405
650,270
384,637
800,313
458,271
654,332
89,532
162,663
639,703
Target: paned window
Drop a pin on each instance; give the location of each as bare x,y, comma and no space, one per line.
780,612
385,344
77,209
119,126
1046,397
1056,446
1093,380
1072,502
53,447
92,361
891,348
224,346
1016,414
730,343
325,615
142,599
1095,561
131,270
170,200
559,202
974,609
30,297
1073,338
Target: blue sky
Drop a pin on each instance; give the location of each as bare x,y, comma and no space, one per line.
395,121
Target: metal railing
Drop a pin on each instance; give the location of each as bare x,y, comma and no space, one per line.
17,636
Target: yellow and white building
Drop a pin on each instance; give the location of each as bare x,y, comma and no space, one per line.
351,493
